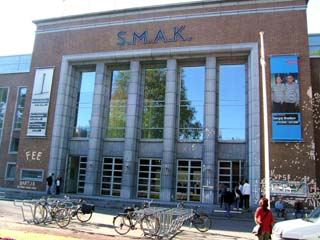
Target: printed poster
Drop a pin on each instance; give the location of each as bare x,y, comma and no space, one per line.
38,116
285,97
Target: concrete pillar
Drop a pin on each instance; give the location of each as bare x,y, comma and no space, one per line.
209,135
94,160
168,167
129,174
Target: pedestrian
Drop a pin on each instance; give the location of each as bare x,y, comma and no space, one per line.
264,217
58,184
241,196
49,183
228,199
279,208
221,193
238,196
246,194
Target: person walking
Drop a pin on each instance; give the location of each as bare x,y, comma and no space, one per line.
246,195
49,183
228,200
264,217
238,196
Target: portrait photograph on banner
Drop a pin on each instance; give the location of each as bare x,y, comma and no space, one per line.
285,98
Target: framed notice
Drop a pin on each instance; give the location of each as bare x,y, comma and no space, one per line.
285,97
39,109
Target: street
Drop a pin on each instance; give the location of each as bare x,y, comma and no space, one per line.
100,226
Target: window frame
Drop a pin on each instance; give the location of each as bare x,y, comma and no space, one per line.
180,66
236,61
7,178
29,178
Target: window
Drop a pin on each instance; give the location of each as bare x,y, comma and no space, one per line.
82,174
11,171
188,180
118,104
111,176
15,64
153,104
18,116
191,103
31,175
84,104
3,108
230,173
232,100
149,178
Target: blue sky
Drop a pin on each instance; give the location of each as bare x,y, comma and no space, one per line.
16,16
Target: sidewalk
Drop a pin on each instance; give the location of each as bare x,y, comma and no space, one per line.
100,226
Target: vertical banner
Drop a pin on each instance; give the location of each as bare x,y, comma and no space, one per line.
286,115
40,102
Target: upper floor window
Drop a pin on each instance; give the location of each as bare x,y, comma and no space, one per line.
154,102
3,108
118,104
20,107
232,102
18,116
84,104
15,64
191,113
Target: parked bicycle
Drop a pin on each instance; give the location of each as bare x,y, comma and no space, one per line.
80,209
46,211
133,216
200,221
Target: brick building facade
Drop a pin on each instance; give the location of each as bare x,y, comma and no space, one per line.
159,102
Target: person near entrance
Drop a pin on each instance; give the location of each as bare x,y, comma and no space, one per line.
49,183
246,195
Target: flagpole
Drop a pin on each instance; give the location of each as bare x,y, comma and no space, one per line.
265,118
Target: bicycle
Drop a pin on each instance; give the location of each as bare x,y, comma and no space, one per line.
200,221
128,220
45,211
81,209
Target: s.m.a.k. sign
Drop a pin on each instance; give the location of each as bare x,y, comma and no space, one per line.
148,37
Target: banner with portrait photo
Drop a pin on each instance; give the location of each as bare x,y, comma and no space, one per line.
285,98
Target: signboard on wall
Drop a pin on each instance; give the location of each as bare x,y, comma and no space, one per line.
40,102
285,97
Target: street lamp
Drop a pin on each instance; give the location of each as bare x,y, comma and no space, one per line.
265,118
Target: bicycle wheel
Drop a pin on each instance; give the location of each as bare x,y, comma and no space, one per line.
121,224
201,222
40,214
150,225
62,217
83,217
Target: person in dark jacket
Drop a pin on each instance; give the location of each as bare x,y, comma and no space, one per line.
228,200
49,183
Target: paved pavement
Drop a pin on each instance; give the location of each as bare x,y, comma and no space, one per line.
238,227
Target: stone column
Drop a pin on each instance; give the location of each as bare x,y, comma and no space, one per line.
209,135
168,167
94,160
129,173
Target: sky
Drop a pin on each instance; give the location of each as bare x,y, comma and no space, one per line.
18,31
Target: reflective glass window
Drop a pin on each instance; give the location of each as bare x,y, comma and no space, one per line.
232,100
3,108
118,104
15,64
154,102
84,104
191,112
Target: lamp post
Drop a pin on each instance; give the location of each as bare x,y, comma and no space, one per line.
265,118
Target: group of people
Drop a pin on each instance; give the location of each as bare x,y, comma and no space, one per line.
240,196
285,96
57,182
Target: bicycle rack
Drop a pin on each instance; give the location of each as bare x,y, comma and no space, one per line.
26,204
